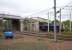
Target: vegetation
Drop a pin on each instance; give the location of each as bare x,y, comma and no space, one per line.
66,25
57,21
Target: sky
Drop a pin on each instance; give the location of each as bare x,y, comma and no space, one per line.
27,8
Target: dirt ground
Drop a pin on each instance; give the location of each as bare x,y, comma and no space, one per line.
25,42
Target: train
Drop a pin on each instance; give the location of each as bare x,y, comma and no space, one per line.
44,27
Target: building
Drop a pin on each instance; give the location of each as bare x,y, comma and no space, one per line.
16,23
11,23
38,24
33,24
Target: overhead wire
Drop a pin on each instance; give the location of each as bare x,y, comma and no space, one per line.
41,11
49,9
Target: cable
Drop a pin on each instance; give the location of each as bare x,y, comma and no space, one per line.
41,11
49,9
65,5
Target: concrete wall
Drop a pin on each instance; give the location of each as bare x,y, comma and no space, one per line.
32,26
21,25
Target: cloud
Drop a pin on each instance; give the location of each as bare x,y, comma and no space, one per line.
28,7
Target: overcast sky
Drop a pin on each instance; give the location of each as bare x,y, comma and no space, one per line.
28,7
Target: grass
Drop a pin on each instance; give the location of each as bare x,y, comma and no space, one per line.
63,36
67,33
59,37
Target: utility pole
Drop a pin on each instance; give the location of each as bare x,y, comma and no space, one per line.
60,22
55,21
70,20
48,22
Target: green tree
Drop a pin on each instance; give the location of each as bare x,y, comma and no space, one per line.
66,25
57,21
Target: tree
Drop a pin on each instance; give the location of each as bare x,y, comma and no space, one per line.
56,21
66,25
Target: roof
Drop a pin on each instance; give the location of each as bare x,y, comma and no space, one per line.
40,19
10,16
